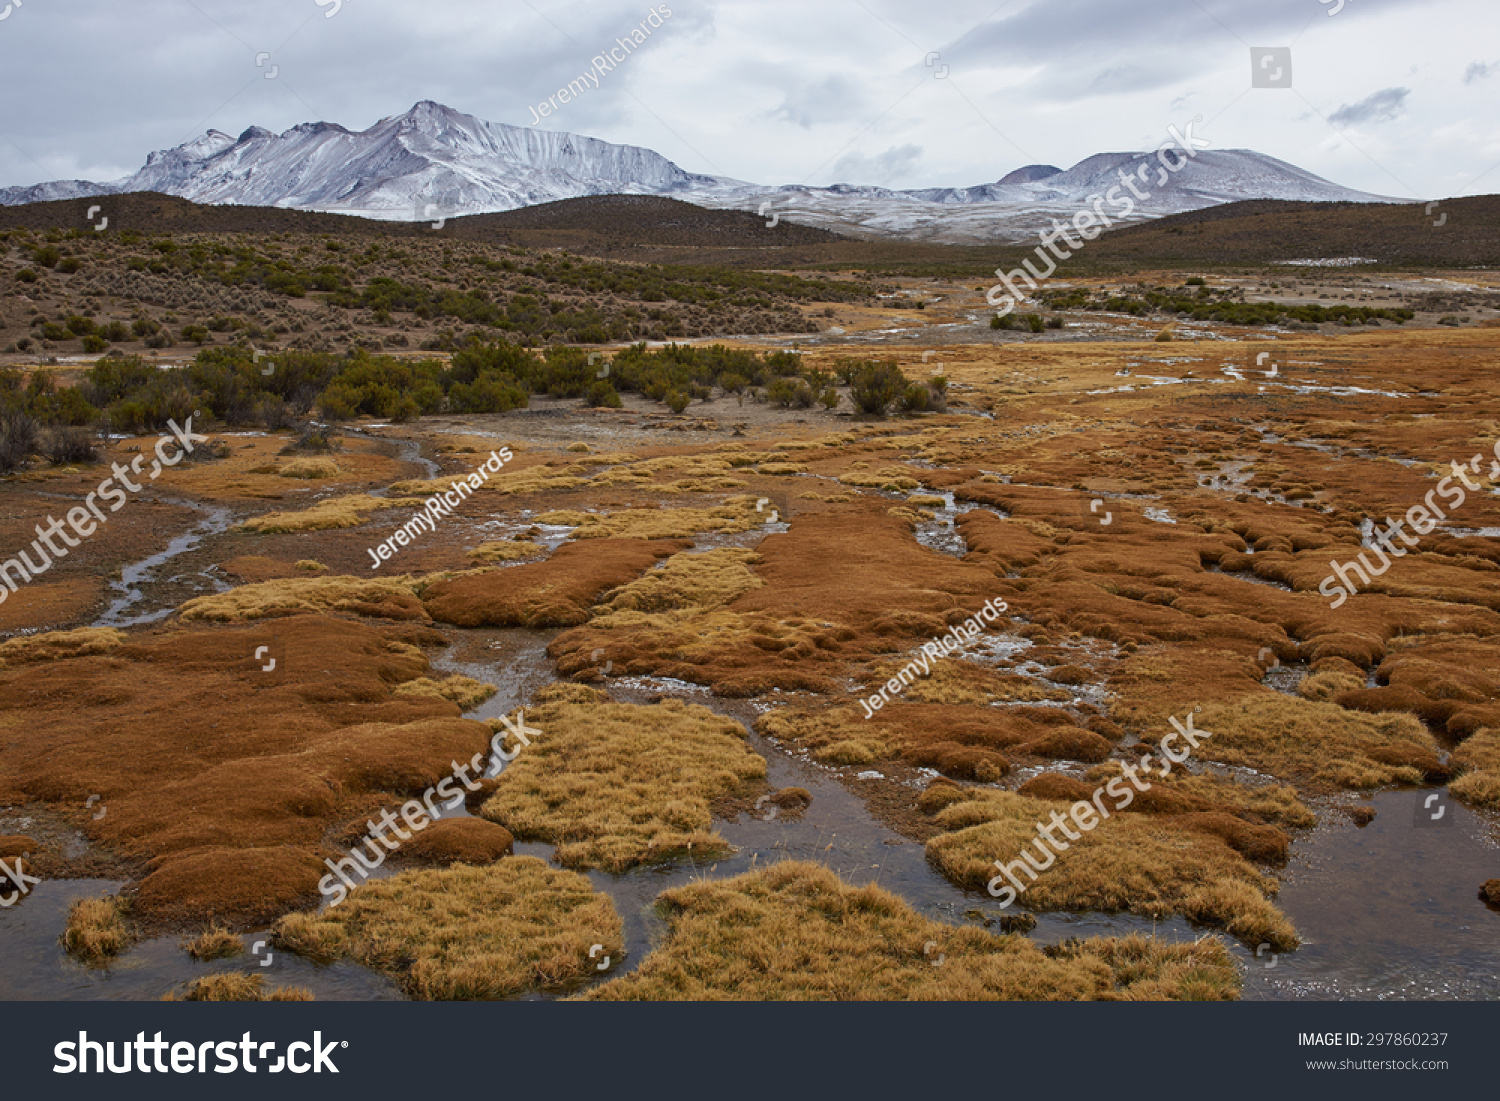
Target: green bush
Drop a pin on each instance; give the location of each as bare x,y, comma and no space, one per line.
875,386
601,394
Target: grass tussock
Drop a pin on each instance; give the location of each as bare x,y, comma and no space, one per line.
309,565
1478,762
735,515
467,932
214,943
795,931
1317,743
1138,863
506,551
467,692
688,581
57,645
335,512
309,469
387,597
236,986
96,931
614,785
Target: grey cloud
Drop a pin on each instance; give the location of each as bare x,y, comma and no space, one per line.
1376,107
884,168
1477,70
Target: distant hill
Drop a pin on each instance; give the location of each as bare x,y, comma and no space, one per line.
1265,231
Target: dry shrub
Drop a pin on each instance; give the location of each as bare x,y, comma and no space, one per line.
506,551
1146,864
96,930
615,785
467,932
56,645
466,692
556,593
236,986
308,565
385,597
214,943
795,931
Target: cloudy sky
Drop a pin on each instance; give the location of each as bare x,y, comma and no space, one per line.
1389,96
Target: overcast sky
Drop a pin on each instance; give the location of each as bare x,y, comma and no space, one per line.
1396,97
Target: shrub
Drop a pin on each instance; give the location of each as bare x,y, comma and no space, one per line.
1034,322
1006,322
18,438
601,394
94,344
70,445
26,275
787,392
676,400
875,386
829,399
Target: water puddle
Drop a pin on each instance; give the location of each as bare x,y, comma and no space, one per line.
132,577
1390,910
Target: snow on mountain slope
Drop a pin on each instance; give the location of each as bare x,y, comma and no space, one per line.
434,159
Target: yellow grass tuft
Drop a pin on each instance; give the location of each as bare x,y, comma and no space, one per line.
1317,742
795,931
506,551
688,581
467,692
57,645
309,469
297,595
737,514
615,785
467,932
214,943
235,986
335,512
1478,762
96,930
1140,863
308,565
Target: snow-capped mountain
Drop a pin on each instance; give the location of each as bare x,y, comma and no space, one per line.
434,159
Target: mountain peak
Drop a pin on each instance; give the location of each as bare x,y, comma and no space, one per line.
1030,173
